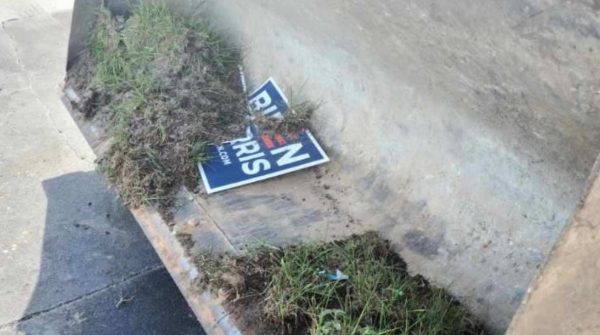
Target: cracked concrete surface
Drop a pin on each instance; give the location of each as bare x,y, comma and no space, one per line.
68,250
87,295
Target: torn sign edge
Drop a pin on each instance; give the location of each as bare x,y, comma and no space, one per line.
210,190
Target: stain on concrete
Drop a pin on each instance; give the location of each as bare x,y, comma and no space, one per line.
517,296
417,241
382,193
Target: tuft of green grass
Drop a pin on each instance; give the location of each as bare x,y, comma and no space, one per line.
297,119
124,51
165,81
379,297
198,152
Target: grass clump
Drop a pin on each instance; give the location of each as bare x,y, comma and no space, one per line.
297,119
166,85
289,292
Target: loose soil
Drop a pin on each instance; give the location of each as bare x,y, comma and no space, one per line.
274,290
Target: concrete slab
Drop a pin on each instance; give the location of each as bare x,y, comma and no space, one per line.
32,150
41,42
89,240
145,310
565,298
31,8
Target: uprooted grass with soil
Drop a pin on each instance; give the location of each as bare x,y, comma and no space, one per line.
287,291
166,85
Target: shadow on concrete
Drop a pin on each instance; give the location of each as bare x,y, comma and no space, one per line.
98,273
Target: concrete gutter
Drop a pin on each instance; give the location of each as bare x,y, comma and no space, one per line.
206,306
565,298
176,258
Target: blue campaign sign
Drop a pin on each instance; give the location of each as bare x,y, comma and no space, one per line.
269,99
253,158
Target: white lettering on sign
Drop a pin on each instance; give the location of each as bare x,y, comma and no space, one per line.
290,151
258,157
247,150
251,157
256,166
224,156
248,137
262,102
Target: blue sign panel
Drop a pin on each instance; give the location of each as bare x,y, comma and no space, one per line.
253,158
269,99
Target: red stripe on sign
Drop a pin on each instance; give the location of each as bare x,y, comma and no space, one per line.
279,139
293,136
267,141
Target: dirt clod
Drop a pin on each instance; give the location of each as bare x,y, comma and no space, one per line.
233,279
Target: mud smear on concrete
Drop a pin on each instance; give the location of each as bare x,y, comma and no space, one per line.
273,290
164,86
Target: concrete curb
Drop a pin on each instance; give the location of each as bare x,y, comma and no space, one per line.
208,308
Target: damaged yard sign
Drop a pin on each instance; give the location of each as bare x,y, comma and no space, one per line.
254,158
258,157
